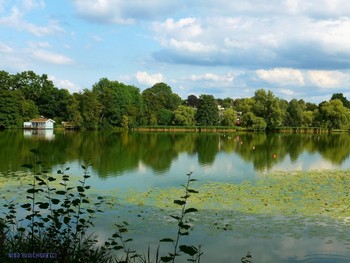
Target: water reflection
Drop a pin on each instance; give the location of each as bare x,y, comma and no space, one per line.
214,155
116,153
41,134
321,258
230,245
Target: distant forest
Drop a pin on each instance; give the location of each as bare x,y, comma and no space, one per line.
109,104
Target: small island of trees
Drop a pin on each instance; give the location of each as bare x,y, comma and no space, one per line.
110,104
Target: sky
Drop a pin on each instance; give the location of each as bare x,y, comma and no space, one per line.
225,48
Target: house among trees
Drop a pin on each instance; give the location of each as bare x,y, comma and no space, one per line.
38,124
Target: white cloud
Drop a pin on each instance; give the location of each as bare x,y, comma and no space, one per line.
124,12
52,28
97,38
284,7
35,45
195,47
65,84
183,29
324,79
51,57
15,62
5,48
328,79
2,3
275,39
282,76
215,79
15,20
149,79
287,92
184,35
33,4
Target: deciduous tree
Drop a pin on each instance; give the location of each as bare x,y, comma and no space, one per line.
158,98
335,115
185,116
229,117
207,112
294,116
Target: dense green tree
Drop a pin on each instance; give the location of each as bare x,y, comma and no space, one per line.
267,106
243,105
90,109
207,113
283,109
185,116
302,104
73,111
119,102
110,112
62,102
335,115
53,103
157,98
310,106
192,101
317,118
165,117
9,109
28,109
6,80
14,108
294,116
253,122
308,118
227,103
283,104
343,99
39,89
229,117
26,95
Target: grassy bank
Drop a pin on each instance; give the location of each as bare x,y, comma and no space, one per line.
224,129
301,130
189,129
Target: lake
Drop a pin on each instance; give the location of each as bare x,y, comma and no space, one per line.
283,197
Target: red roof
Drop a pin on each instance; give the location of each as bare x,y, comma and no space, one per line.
40,120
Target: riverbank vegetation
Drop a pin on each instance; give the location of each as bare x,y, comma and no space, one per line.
112,104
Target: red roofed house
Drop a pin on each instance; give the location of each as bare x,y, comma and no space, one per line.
39,123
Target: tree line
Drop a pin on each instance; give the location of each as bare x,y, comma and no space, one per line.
109,104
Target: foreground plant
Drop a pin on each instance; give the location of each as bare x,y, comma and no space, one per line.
183,228
119,243
56,221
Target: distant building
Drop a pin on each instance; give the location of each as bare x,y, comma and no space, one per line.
220,108
38,124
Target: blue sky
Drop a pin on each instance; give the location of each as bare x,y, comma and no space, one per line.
227,48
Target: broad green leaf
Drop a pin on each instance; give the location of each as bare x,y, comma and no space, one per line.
179,202
166,259
190,210
166,240
189,250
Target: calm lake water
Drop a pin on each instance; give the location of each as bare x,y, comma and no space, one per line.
125,166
